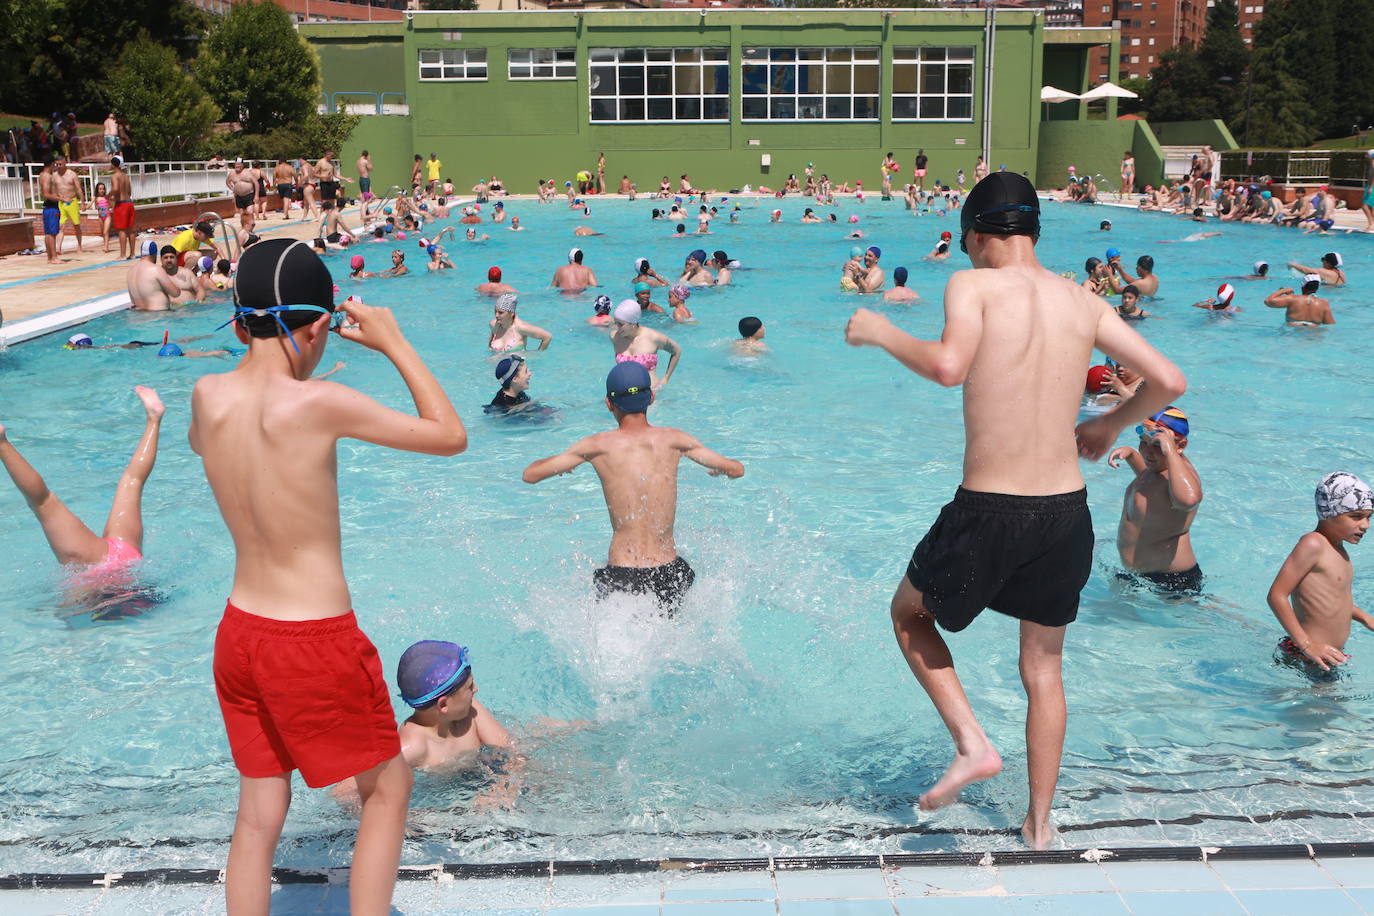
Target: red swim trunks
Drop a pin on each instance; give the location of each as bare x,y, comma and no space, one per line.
123,215
302,695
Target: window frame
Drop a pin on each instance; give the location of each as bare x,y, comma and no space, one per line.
645,66
463,65
562,69
916,56
829,61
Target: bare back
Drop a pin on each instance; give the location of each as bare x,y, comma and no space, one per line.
273,469
1022,394
638,471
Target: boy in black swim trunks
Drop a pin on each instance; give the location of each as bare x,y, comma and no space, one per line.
637,464
1160,506
1017,537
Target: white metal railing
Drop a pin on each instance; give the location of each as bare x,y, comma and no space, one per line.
148,180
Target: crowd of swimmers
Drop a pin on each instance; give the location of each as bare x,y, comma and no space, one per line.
1016,538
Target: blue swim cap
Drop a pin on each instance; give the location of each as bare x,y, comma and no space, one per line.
386,210
877,252
430,669
149,249
170,349
1113,253
699,255
629,386
899,275
506,368
430,249
856,252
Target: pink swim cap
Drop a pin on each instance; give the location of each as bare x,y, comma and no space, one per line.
401,235
356,262
853,217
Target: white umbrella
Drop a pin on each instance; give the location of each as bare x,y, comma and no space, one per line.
1108,90
1051,94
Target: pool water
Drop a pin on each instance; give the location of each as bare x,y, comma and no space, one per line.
775,714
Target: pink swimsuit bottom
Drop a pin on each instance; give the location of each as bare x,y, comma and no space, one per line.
647,360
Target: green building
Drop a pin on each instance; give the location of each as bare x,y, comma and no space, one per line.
730,96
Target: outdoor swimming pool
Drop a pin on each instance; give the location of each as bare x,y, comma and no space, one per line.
775,715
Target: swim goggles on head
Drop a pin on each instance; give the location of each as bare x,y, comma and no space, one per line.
516,361
463,671
241,312
628,391
1147,432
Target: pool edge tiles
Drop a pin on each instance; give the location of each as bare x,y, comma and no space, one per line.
63,317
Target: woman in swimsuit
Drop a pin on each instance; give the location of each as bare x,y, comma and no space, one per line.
509,332
71,541
642,345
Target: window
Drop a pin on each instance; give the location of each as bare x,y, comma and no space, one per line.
1152,42
1151,60
932,84
1249,25
1134,59
541,63
803,84
659,84
453,64
1106,8
1135,41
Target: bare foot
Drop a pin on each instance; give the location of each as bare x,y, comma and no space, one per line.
966,769
151,402
1039,837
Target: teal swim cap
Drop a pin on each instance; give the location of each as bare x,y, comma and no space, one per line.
641,287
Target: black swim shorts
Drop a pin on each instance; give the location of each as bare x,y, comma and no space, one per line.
243,201
1188,581
1024,556
669,583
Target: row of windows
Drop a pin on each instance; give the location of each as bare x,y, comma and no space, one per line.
777,84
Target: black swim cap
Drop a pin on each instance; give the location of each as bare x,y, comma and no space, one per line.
277,272
748,327
1003,203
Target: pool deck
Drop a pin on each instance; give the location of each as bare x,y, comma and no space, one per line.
1332,879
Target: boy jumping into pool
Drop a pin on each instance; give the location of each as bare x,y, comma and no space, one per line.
1017,536
1312,594
300,686
71,541
637,464
1160,505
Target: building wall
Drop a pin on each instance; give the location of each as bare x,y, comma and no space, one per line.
1148,29
1250,15
1095,148
525,130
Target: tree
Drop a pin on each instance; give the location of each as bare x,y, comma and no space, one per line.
1180,88
169,114
1224,57
1288,119
258,69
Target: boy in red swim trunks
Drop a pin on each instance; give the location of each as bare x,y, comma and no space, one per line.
299,684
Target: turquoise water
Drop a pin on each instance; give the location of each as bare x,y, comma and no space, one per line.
775,715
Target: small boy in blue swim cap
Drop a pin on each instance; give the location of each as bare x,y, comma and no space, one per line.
637,464
436,681
1312,594
1160,505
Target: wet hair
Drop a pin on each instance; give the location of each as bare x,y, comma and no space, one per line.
1091,264
1197,211
681,228
748,327
1130,288
1329,259
1145,262
721,257
378,233
222,265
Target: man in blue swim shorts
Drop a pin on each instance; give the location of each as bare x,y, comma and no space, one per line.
637,464
1017,536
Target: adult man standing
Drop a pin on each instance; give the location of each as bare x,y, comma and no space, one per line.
153,287
364,165
52,217
69,199
329,177
1017,536
122,216
284,177
111,127
240,183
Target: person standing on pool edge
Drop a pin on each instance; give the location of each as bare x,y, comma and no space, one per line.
1017,537
637,464
299,684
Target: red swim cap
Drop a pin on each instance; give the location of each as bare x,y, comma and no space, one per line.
494,274
946,236
1225,293
1097,377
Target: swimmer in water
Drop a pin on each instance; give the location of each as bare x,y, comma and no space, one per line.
357,268
1130,309
677,301
1017,537
899,292
438,258
509,332
723,266
694,272
810,217
637,464
751,334
436,681
1306,310
472,236
494,286
646,274
573,277
120,544
680,232
601,312
515,224
870,278
585,230
642,293
634,343
1160,505
1330,272
1312,595
514,375
941,250
1222,303
1104,226
775,216
1259,272
398,265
